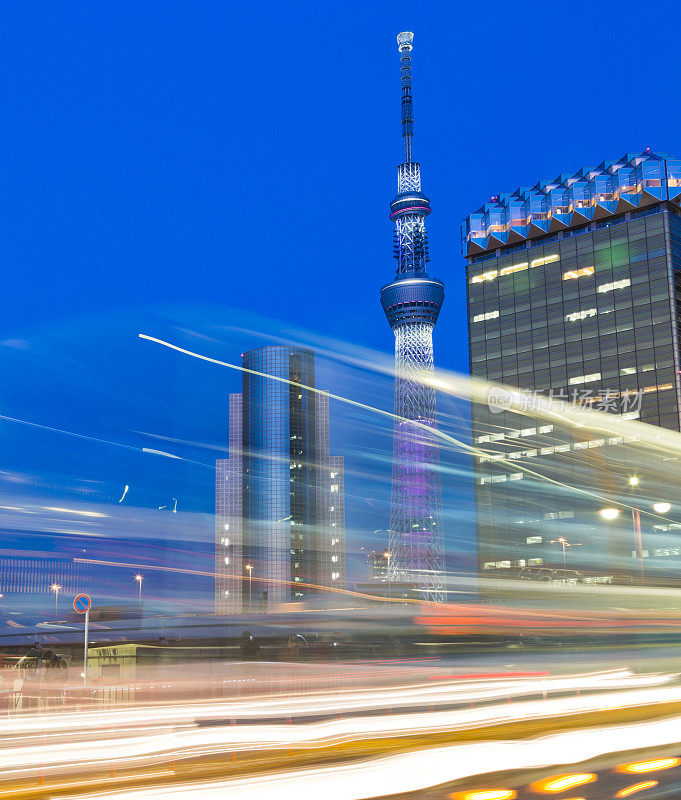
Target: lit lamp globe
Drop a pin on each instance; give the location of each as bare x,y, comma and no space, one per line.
661,508
609,513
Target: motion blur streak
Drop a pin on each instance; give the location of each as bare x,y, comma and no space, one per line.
97,439
562,782
650,766
304,584
429,694
355,403
462,387
135,737
637,787
418,769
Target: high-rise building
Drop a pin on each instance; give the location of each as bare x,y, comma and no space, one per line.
229,564
572,293
280,515
412,302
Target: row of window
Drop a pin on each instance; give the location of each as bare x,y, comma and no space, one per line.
513,476
513,434
490,275
621,338
648,247
559,448
565,281
649,291
530,562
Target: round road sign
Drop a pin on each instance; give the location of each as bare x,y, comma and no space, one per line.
82,603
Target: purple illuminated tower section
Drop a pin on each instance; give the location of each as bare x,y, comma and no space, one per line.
412,303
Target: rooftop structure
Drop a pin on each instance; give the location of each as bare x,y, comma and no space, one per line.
572,201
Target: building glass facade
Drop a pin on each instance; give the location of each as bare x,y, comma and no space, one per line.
276,497
579,302
229,565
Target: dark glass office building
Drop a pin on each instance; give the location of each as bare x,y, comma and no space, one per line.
572,293
279,502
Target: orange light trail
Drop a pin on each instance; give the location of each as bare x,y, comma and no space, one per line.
560,783
650,766
637,787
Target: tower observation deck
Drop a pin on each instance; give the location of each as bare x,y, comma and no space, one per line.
412,302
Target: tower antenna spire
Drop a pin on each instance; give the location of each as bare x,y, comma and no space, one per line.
412,302
404,43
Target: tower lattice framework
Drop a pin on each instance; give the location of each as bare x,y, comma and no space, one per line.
412,304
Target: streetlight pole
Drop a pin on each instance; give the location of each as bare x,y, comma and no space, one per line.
139,580
563,542
636,522
249,567
55,588
387,555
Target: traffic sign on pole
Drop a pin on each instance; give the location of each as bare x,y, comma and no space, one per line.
82,603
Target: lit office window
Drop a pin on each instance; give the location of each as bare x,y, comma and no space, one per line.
576,316
609,287
539,262
578,379
488,315
662,387
486,276
578,273
514,268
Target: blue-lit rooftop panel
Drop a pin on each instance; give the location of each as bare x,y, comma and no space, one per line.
569,201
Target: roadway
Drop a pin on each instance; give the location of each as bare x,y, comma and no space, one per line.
429,729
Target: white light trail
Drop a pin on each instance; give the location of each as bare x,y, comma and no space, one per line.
462,690
183,738
417,770
159,453
75,511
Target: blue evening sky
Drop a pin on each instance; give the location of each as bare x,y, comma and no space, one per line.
168,165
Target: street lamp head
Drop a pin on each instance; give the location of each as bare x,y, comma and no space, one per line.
386,554
633,481
609,513
661,508
139,578
249,567
55,587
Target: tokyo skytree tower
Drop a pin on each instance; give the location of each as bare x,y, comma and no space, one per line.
412,303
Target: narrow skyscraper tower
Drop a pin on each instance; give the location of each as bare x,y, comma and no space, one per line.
412,303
